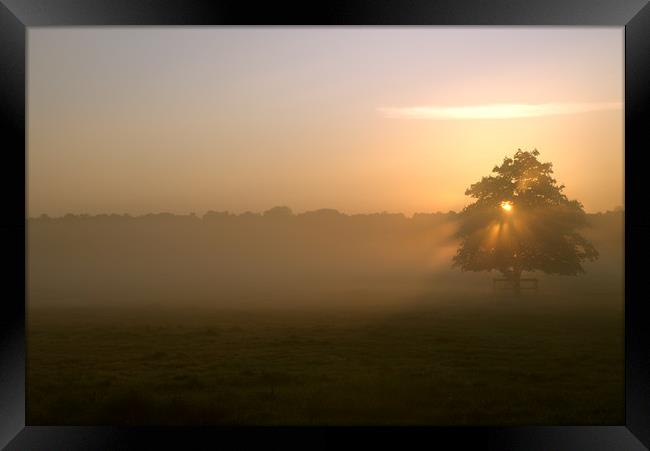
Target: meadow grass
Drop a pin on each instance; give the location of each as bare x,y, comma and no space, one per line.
479,360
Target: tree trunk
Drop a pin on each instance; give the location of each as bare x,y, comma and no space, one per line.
516,282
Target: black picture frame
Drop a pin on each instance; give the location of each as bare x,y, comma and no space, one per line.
17,15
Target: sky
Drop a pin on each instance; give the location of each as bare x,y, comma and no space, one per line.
400,119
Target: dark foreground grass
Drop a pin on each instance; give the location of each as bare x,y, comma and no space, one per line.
489,361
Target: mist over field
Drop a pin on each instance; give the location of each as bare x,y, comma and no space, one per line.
316,259
314,318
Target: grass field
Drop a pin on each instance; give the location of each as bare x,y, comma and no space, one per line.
481,360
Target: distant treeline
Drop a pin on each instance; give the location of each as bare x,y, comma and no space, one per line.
271,257
275,212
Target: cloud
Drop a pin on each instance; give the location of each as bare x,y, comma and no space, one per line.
496,111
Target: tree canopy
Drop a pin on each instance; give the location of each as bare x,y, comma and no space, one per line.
522,221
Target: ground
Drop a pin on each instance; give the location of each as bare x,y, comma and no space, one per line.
473,360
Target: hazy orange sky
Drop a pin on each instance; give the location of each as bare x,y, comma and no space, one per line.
139,120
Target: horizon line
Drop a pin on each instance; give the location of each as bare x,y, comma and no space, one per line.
290,212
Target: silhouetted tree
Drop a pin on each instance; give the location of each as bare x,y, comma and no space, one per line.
278,212
522,221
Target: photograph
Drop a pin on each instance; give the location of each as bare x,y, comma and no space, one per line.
325,226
